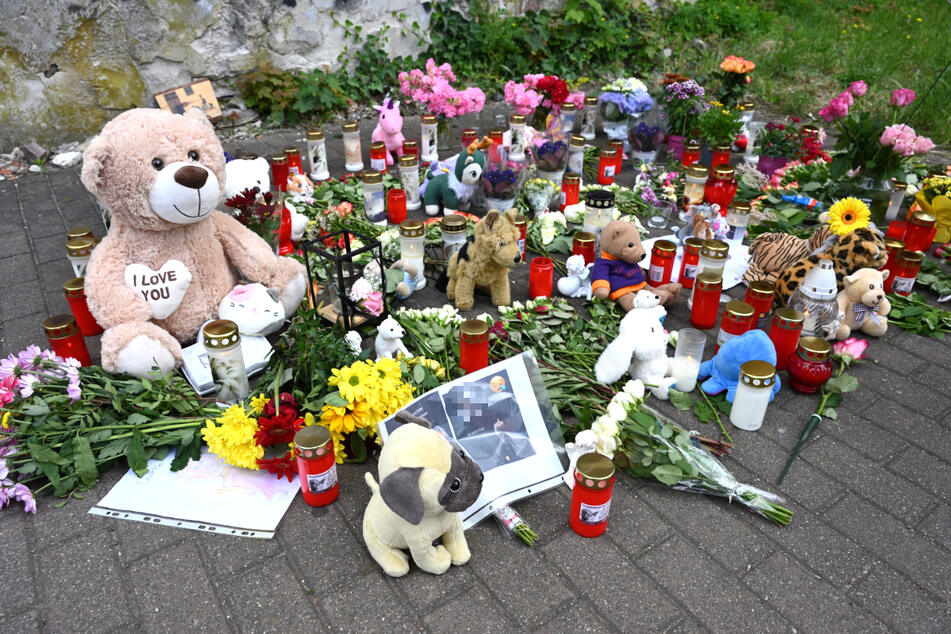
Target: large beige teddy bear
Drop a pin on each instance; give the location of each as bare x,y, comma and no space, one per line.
863,302
169,257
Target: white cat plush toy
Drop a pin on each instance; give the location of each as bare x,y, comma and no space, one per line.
254,307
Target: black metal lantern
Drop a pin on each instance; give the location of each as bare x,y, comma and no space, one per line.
340,271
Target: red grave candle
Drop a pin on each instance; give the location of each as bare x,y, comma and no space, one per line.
396,205
497,138
663,254
901,281
285,246
690,262
294,163
76,296
607,163
896,230
738,317
411,147
784,333
721,155
706,300
920,232
316,465
810,367
721,188
540,277
760,295
893,247
619,159
583,244
473,345
469,136
522,226
591,496
570,190
65,338
378,156
691,154
280,170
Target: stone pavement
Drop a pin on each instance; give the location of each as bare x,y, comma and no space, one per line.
868,548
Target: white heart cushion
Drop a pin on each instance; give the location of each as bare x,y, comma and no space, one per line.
164,289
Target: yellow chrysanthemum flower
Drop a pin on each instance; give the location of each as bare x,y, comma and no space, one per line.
231,438
349,381
343,420
257,403
847,215
6,420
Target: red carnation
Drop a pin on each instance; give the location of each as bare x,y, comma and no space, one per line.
559,93
546,82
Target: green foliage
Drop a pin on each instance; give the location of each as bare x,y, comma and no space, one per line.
272,92
914,314
723,18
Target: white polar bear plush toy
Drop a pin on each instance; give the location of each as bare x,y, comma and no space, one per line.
641,348
389,340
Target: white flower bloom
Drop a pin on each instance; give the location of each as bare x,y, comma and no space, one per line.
360,290
606,445
616,412
517,305
616,213
624,399
635,387
575,213
484,317
530,304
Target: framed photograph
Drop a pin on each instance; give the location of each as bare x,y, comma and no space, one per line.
198,94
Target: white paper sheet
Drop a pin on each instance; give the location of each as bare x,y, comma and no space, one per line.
207,495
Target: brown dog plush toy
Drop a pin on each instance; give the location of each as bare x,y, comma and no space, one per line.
424,483
617,274
485,261
169,257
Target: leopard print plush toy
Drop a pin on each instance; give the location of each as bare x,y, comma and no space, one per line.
863,248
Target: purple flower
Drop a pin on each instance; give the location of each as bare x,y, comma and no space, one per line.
30,358
22,493
9,366
649,197
26,385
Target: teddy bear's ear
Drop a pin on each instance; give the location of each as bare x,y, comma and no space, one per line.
488,223
198,115
885,274
511,215
95,160
848,280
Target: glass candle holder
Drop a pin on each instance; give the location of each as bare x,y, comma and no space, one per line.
659,213
473,345
428,147
522,225
760,295
567,114
753,130
691,154
896,200
589,118
896,230
497,150
352,151
583,244
517,136
685,366
694,184
469,136
409,180
815,298
591,496
76,297
747,110
753,393
690,262
65,339
576,155
738,317
453,234
411,147
706,301
78,251
607,163
784,332
280,172
598,212
713,256
316,465
721,189
374,202
904,272
396,206
570,190
663,254
540,277
222,343
738,217
618,147
378,156
721,155
413,247
920,231
893,247
811,366
295,165
317,155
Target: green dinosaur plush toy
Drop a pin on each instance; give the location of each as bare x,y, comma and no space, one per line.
450,190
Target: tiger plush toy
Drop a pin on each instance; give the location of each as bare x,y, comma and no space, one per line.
771,253
860,249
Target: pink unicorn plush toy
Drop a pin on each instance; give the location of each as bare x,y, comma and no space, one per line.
389,128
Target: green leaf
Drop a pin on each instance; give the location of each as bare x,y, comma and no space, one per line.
36,409
666,431
357,448
137,419
842,384
135,454
668,474
113,449
84,461
419,373
42,453
703,411
830,412
186,451
834,400
681,400
335,400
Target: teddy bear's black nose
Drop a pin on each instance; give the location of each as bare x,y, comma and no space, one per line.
191,176
643,255
518,258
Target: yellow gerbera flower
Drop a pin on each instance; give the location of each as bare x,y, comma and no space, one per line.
847,215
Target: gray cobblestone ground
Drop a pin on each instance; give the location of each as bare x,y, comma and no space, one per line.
868,549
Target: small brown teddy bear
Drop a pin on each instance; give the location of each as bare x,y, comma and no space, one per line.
617,274
864,303
485,261
169,257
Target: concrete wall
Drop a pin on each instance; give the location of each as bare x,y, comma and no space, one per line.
68,66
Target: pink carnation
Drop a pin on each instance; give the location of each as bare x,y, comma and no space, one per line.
901,97
858,88
922,145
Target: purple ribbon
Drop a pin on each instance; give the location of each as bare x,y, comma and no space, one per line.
862,311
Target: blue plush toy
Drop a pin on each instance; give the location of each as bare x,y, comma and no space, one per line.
724,368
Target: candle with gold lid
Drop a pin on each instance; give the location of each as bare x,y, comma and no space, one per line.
65,339
75,290
754,391
78,251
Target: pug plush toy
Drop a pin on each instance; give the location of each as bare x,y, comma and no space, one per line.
424,483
